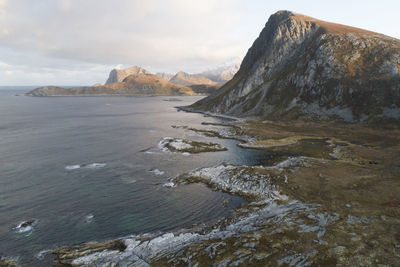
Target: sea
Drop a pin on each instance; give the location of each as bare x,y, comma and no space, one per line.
90,169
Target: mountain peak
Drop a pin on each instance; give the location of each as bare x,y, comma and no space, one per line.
330,27
118,75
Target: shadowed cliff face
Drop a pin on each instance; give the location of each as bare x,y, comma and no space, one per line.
300,67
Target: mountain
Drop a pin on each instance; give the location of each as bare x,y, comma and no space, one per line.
303,68
149,84
117,75
135,85
187,79
165,76
221,74
198,83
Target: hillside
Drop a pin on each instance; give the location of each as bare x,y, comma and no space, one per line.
303,68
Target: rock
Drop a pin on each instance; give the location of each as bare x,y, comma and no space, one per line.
7,262
26,226
188,146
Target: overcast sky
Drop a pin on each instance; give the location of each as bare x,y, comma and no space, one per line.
77,42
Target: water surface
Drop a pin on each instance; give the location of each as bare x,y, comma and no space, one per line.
40,137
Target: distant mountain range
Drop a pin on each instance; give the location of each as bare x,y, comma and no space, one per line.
303,68
138,81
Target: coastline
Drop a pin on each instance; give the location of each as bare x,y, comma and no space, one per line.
302,198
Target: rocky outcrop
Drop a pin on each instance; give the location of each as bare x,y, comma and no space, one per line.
133,85
301,67
119,75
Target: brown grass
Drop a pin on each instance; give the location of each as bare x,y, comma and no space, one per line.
335,27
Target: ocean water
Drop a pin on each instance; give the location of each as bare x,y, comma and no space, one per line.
78,167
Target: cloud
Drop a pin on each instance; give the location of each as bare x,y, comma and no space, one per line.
167,35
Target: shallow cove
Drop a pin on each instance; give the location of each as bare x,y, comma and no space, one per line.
115,191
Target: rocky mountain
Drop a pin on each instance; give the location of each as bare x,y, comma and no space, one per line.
164,75
149,84
136,85
117,75
198,83
221,74
187,79
301,67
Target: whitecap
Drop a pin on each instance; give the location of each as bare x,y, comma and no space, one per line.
157,172
25,226
72,167
95,165
186,154
41,254
169,184
162,144
89,218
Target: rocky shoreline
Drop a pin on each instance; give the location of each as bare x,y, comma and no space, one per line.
336,204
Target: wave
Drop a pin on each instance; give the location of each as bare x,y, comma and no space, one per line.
94,165
169,184
26,226
157,172
72,167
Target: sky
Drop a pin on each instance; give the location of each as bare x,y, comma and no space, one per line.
78,42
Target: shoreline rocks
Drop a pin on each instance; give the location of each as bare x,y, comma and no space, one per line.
188,146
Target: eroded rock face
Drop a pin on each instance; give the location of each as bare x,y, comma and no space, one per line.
300,67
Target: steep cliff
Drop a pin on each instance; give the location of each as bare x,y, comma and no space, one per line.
301,67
